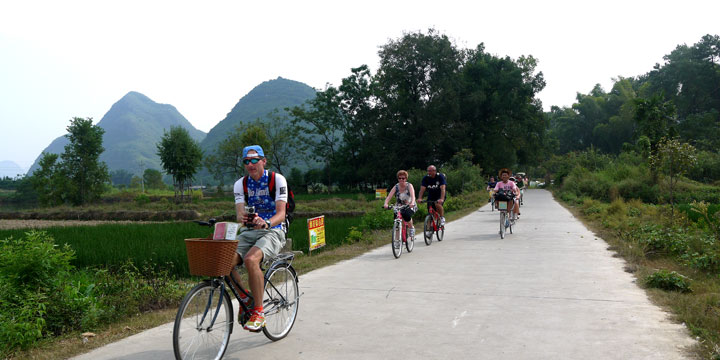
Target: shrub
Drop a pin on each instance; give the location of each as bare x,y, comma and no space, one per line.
669,281
33,273
142,199
376,219
354,235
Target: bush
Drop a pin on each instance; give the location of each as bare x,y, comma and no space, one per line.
376,219
42,295
33,273
142,199
354,235
668,281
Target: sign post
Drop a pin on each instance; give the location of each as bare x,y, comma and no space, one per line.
316,232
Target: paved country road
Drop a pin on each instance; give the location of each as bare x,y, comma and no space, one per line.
551,290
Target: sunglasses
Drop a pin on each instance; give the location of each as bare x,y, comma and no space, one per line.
402,178
253,160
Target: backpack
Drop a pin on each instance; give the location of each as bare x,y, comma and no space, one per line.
289,206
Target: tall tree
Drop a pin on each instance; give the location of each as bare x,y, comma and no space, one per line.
283,142
655,117
180,156
86,175
153,179
226,162
47,181
418,102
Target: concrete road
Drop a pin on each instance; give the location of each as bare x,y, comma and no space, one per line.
551,290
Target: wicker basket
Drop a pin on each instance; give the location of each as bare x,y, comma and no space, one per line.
210,257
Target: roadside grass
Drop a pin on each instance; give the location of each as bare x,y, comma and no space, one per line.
620,223
72,344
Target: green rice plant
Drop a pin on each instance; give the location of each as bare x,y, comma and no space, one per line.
336,231
113,244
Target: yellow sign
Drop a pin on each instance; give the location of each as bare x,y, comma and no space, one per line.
380,193
316,232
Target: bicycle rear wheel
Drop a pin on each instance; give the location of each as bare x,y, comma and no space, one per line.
203,323
396,240
281,301
428,230
440,232
410,240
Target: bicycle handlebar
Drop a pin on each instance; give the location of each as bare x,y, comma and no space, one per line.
209,223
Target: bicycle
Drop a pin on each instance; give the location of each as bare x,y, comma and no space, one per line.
205,319
400,232
492,200
505,206
432,224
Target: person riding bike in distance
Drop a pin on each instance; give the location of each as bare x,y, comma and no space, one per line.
508,185
435,184
490,186
405,193
263,235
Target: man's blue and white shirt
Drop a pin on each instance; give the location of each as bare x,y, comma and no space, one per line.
259,194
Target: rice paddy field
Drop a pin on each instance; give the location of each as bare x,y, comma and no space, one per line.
160,244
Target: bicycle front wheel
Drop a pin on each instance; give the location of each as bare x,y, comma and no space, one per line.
502,224
281,302
203,323
428,230
397,240
410,241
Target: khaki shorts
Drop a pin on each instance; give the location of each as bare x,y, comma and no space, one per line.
269,241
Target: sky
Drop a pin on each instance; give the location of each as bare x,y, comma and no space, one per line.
65,59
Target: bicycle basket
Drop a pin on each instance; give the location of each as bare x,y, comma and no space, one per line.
210,257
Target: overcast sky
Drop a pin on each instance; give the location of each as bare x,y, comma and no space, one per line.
61,59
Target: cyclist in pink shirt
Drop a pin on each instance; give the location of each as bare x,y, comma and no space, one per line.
508,185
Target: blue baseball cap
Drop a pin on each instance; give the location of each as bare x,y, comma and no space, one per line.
257,149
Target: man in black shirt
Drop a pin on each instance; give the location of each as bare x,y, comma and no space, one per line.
435,184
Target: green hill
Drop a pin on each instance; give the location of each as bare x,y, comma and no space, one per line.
133,126
264,98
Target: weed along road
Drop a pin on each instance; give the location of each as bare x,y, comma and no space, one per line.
551,290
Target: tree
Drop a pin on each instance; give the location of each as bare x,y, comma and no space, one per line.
674,159
180,156
120,177
86,175
654,117
46,181
153,179
283,140
418,84
226,162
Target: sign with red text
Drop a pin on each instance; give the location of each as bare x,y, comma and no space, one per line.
316,232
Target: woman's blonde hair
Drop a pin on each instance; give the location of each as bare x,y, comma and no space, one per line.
403,172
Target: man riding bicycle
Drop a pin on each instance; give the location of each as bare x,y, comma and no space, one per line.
490,187
435,184
508,185
263,235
